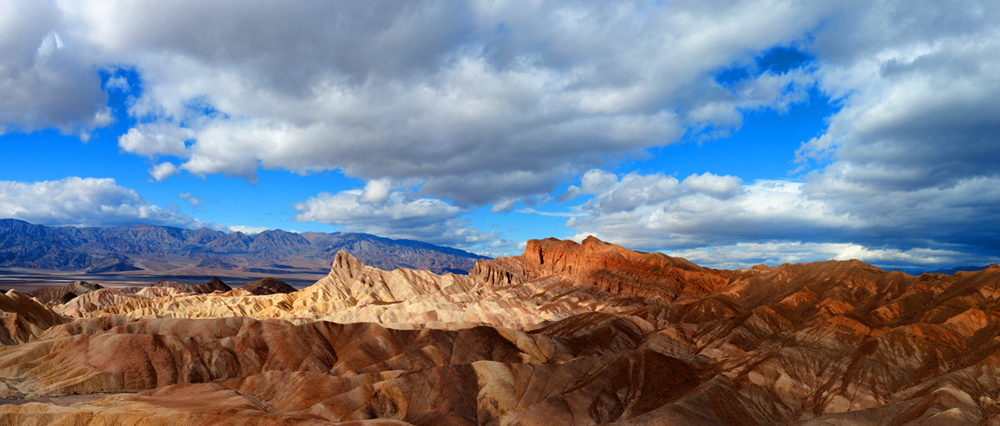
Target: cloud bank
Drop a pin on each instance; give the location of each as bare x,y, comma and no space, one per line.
86,202
394,214
477,102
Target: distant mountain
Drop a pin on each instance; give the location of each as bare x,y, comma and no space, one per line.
953,271
160,248
946,271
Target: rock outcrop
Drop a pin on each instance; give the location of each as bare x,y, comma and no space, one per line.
23,319
60,295
605,266
212,286
268,285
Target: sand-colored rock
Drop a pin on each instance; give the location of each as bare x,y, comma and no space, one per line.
60,295
212,286
82,306
354,292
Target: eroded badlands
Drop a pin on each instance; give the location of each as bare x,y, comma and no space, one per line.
566,333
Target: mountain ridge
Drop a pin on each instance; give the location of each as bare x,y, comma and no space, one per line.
159,248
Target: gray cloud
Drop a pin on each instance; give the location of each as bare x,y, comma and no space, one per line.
790,221
45,80
906,169
493,103
468,100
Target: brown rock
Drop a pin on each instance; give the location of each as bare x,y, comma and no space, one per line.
268,285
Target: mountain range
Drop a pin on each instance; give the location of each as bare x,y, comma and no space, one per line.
167,250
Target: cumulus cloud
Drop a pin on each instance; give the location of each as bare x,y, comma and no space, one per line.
658,212
400,215
716,186
480,102
813,220
484,102
904,173
162,171
376,191
152,139
85,202
920,101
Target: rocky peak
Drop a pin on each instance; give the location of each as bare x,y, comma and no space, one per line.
603,265
345,263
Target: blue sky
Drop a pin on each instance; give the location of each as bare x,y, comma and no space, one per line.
729,133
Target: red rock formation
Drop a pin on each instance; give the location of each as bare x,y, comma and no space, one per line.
605,266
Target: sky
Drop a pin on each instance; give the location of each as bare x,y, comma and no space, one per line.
730,133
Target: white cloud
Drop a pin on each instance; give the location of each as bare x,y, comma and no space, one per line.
376,191
716,186
634,190
152,139
162,171
486,102
480,102
656,212
744,255
192,200
597,181
398,216
118,83
249,230
85,202
934,225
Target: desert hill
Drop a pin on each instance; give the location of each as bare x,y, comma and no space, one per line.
566,333
163,249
